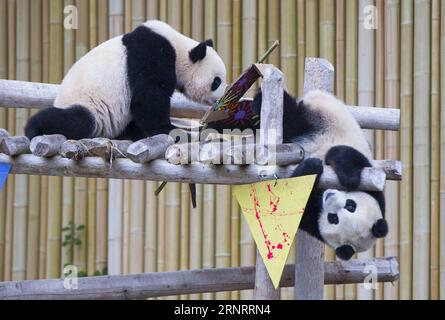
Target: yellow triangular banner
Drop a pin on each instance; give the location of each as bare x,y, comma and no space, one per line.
273,210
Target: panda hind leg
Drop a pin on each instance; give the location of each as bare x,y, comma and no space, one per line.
75,122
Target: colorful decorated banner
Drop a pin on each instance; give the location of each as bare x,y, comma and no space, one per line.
273,210
4,171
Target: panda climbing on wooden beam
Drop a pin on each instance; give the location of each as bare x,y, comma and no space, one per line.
349,221
122,88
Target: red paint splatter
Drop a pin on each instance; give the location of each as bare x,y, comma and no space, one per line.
280,246
256,206
274,201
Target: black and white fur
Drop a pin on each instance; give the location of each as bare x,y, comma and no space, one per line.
122,88
349,221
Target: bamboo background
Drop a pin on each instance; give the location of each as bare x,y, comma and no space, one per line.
401,64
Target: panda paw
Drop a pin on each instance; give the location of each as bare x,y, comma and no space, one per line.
309,166
351,180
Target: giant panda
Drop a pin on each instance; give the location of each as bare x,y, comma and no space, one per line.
122,88
348,220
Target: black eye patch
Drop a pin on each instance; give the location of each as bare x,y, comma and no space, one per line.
350,205
332,218
216,83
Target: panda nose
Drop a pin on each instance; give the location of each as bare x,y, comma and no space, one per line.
332,218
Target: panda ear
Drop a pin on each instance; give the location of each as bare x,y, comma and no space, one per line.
380,228
344,252
209,43
198,53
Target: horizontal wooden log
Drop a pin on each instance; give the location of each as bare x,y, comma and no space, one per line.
373,179
106,148
47,146
73,149
14,145
4,133
158,284
22,94
149,149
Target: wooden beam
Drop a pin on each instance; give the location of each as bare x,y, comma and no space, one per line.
157,284
22,94
373,179
318,75
271,133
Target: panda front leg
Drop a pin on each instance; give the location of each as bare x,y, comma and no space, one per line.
150,110
348,164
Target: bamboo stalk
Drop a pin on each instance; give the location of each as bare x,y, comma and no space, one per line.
442,152
273,30
115,187
236,39
289,44
69,52
435,156
11,68
340,78
172,225
43,232
150,244
380,101
340,49
406,149
301,44
224,31
138,11
55,184
3,121
235,239
101,224
21,183
392,98
92,183
197,21
184,232
326,47
262,27
137,210
186,27
196,234
161,234
102,26
91,227
421,158
366,94
351,54
128,23
208,234
249,37
237,68
163,10
152,9
311,28
32,255
80,184
126,227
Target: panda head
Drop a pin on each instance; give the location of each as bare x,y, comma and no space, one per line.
202,77
351,222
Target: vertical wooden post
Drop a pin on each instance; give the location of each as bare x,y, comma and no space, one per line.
309,266
271,118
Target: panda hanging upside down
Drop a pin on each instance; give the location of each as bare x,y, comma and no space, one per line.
349,221
122,88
